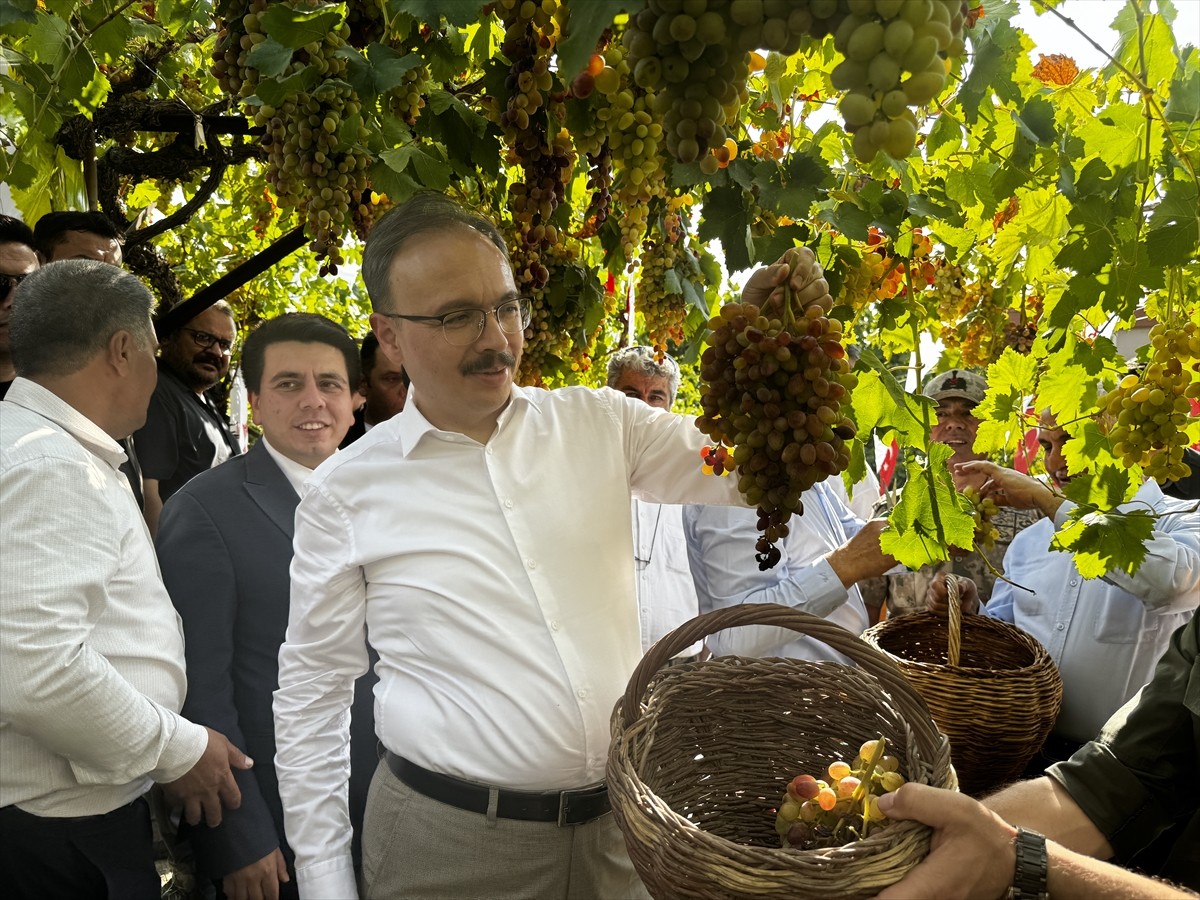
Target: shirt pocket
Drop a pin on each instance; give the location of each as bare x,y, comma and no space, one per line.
1121,619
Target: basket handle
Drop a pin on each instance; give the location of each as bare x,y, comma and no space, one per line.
872,661
954,630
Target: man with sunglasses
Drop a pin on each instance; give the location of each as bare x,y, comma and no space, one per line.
483,536
18,258
185,434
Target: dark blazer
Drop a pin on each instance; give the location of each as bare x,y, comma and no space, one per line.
357,429
225,545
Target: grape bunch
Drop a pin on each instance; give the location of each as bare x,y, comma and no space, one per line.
775,390
983,510
663,310
1147,414
819,813
896,57
972,313
313,138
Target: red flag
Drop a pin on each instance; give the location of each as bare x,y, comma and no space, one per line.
887,468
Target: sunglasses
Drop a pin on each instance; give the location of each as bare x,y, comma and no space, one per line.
10,282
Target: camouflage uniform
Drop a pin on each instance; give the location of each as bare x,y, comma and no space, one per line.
906,591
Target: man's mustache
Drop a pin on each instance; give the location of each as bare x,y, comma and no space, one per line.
207,359
487,361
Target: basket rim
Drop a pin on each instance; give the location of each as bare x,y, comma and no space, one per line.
1041,656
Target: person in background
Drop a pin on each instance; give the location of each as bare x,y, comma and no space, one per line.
234,524
384,387
957,393
93,665
505,619
1104,634
79,235
185,434
666,592
18,259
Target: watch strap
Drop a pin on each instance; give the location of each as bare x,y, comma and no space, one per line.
1029,875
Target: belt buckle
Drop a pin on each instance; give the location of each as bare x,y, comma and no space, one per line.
587,793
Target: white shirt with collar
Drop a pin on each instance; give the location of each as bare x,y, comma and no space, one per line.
92,673
721,549
666,592
496,586
294,472
1106,634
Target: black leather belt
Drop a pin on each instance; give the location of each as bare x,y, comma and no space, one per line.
564,807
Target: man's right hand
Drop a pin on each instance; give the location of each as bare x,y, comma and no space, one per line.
257,881
210,784
861,557
937,598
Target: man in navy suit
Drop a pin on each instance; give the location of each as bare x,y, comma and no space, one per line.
225,546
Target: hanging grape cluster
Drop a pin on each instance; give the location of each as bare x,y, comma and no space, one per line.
972,314
314,138
896,57
775,389
663,310
1148,413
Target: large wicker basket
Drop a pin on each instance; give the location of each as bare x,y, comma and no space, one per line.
992,688
702,753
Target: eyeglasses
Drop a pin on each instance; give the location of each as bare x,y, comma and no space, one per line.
10,282
205,341
464,326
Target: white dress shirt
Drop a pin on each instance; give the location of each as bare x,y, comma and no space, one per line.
496,585
721,548
92,673
1105,634
294,472
665,590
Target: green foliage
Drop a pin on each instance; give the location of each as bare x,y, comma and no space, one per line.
1038,203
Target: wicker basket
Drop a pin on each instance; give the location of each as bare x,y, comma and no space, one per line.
998,710
702,753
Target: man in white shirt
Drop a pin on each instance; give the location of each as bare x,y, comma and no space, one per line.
1105,634
666,593
93,675
233,525
826,552
483,535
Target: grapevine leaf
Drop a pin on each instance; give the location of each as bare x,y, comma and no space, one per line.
398,186
1172,245
671,283
1183,101
771,246
1036,121
881,403
992,67
585,23
1149,48
271,58
1002,413
857,470
293,28
1105,541
429,171
1115,135
274,91
727,218
13,11
927,520
849,219
107,43
1100,479
382,70
456,12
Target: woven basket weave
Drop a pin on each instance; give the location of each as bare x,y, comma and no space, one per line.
992,688
702,753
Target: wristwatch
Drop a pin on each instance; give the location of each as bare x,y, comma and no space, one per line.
1029,876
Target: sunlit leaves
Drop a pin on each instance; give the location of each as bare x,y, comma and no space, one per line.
927,521
1105,541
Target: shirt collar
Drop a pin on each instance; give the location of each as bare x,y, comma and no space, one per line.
409,426
294,472
35,398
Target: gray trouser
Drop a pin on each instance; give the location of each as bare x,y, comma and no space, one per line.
420,849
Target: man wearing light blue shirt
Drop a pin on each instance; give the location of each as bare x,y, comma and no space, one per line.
1105,634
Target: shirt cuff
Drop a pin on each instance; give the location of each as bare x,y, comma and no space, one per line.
331,879
823,589
183,751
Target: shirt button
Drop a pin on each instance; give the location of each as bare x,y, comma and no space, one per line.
508,504
1073,583
488,451
1060,626
582,694
554,626
531,563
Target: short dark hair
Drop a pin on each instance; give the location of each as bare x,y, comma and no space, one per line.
14,231
305,328
424,212
65,313
370,348
51,229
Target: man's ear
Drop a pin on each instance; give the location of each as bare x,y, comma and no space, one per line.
385,331
120,351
